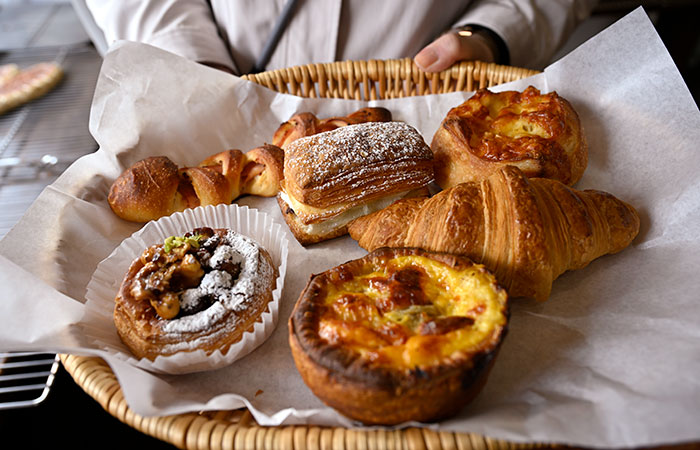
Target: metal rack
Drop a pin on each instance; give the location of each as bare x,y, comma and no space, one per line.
37,142
55,125
26,378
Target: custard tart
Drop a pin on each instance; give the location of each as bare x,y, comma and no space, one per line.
399,335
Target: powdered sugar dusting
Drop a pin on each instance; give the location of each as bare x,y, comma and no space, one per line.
225,254
228,294
352,148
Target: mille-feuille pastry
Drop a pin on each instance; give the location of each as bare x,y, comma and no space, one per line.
541,134
307,124
200,291
155,187
527,231
334,177
399,335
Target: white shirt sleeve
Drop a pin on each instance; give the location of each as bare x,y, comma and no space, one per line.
533,30
183,27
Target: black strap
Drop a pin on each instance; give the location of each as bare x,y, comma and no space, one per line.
502,54
273,40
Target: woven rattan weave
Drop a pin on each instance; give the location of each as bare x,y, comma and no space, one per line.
359,80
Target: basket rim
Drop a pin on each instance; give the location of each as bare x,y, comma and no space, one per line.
382,79
238,429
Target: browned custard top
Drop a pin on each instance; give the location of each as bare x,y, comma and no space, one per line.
412,312
512,125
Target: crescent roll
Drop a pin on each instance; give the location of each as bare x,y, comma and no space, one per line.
526,231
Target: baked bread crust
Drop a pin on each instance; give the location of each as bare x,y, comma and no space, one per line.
333,177
528,231
155,187
425,365
307,124
147,190
356,163
18,87
217,323
541,134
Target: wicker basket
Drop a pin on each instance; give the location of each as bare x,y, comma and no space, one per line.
360,80
372,80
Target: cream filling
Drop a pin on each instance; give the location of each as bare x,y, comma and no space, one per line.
342,219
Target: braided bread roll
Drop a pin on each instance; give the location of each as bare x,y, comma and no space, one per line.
306,124
155,187
526,231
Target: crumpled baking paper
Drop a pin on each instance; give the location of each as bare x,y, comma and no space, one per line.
610,360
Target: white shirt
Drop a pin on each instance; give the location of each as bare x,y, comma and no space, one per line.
233,32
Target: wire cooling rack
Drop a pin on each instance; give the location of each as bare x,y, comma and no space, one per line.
26,378
40,139
37,142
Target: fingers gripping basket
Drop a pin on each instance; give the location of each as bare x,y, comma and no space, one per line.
358,80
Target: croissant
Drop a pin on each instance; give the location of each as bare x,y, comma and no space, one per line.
526,231
306,124
155,187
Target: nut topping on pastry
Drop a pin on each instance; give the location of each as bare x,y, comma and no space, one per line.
167,269
199,291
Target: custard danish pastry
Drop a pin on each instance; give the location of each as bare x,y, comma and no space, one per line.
541,134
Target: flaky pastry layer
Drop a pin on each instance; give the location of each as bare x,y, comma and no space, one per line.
234,308
541,134
352,164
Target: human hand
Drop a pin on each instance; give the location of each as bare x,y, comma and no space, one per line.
456,46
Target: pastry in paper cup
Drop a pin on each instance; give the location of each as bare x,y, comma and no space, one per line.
193,291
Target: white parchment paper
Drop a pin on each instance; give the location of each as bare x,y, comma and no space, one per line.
611,359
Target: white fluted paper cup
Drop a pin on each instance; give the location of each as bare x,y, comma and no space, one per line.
98,324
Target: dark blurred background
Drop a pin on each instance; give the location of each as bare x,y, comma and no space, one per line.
676,21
